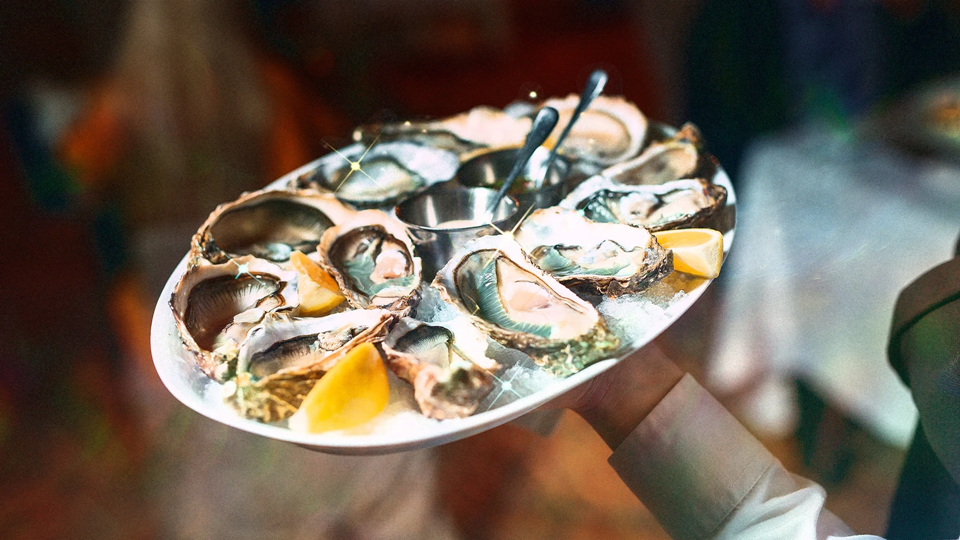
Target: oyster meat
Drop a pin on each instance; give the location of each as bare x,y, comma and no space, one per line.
674,205
215,306
372,258
681,156
268,224
283,357
609,131
449,380
492,283
608,258
381,174
480,127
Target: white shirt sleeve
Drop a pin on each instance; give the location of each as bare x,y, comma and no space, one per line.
703,475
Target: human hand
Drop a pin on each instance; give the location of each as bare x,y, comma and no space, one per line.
617,400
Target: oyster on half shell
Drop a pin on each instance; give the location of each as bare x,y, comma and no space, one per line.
674,205
443,364
215,306
480,127
609,131
372,258
283,357
268,224
608,258
384,172
492,283
681,156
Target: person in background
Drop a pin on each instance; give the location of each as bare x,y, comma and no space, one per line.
61,244
704,476
122,125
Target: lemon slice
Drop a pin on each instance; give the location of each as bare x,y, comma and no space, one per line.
695,251
318,291
351,393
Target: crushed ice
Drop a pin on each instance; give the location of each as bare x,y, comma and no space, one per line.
634,319
432,308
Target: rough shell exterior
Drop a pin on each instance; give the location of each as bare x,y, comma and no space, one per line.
203,245
561,226
480,127
716,194
419,164
399,301
218,363
442,391
680,156
279,395
603,111
560,357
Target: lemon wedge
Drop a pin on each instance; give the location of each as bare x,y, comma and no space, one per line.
318,291
698,252
354,391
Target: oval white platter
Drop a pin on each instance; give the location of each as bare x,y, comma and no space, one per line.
637,321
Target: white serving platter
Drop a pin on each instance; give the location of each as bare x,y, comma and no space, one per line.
637,321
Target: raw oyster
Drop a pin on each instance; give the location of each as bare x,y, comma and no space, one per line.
674,205
381,174
283,358
214,307
480,127
449,381
609,131
372,258
681,156
493,283
268,224
609,258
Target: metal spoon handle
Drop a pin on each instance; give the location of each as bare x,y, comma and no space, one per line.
592,89
543,124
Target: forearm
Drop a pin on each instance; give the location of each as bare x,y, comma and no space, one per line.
702,475
700,472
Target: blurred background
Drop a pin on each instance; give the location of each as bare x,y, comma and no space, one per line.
123,123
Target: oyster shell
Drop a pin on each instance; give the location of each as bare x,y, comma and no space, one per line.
609,131
493,283
372,258
268,224
674,205
214,307
449,381
480,127
681,156
608,258
385,173
282,358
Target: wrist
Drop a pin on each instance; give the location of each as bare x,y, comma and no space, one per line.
616,403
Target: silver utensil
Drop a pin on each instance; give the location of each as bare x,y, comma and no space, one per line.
440,221
489,168
592,89
543,124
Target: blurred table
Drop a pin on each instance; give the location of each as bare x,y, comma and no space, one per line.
829,230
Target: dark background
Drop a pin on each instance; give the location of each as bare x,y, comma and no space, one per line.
123,123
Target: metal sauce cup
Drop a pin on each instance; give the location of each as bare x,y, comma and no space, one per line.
426,215
489,169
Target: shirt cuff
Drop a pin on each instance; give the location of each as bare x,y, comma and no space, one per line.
690,462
